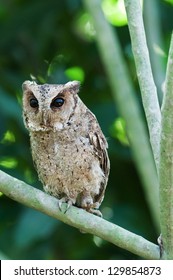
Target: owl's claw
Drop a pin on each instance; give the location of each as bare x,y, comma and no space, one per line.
95,212
64,200
69,204
60,202
90,206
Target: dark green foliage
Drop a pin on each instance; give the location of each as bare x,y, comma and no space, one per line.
46,40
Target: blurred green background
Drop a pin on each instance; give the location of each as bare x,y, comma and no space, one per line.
54,41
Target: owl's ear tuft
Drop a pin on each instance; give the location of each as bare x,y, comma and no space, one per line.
73,86
26,85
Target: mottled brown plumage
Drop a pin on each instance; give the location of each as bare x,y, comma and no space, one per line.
68,147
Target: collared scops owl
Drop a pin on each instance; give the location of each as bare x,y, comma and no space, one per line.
68,147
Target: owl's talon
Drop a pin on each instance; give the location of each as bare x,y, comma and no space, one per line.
89,206
69,204
65,200
95,212
60,202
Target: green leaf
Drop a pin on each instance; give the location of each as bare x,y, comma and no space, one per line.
75,73
114,11
169,1
8,137
84,27
8,162
118,130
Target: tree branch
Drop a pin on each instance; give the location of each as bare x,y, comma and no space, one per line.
166,161
124,96
3,256
152,22
79,218
144,73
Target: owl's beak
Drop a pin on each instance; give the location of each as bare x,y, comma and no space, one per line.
45,119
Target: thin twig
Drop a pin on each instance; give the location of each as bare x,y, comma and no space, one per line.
124,96
166,161
144,73
79,218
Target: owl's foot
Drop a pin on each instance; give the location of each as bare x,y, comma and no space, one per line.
65,200
95,212
88,204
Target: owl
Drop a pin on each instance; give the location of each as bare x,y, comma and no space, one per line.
68,147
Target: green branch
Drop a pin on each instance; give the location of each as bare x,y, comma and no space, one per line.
166,161
144,73
79,218
152,22
3,256
124,96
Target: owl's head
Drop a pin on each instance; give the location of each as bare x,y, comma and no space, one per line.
48,106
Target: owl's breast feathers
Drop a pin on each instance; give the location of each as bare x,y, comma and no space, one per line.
73,165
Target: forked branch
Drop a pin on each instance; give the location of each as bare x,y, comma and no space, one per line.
126,101
144,73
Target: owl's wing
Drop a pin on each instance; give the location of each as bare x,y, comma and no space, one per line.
100,145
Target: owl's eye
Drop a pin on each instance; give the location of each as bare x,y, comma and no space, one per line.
33,103
57,102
